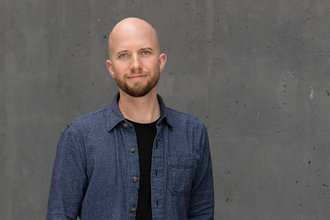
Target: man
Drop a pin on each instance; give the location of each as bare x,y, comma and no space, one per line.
135,158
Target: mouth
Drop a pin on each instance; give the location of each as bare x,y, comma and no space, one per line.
136,76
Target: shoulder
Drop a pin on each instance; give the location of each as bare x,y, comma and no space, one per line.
89,120
179,118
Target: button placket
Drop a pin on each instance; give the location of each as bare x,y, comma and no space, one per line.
131,150
157,177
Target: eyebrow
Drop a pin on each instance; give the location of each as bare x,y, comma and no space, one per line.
122,51
147,48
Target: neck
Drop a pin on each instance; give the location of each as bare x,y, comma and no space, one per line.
144,109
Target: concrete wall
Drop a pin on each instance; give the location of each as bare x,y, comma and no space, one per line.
256,72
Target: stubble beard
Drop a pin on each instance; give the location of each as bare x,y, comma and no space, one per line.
138,90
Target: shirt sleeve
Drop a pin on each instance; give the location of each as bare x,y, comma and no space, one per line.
202,193
68,181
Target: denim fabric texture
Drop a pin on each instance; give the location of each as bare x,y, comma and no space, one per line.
96,168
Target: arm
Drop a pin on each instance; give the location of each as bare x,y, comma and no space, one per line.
68,180
202,193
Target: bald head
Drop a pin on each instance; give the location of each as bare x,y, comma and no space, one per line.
128,31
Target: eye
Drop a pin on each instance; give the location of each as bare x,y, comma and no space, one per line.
123,56
145,52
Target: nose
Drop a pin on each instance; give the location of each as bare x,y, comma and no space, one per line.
135,64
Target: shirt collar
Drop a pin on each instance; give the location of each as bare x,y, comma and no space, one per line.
113,115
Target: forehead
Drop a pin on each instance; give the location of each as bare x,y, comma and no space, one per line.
130,36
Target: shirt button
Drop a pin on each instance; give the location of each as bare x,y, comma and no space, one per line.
133,209
132,150
134,179
125,125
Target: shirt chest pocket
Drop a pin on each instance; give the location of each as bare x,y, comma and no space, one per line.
181,172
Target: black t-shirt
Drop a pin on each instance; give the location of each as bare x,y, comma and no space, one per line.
145,134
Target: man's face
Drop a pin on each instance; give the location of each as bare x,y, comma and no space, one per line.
135,61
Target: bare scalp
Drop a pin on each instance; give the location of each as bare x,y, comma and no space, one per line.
132,26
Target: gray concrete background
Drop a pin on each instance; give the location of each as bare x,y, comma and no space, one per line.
256,72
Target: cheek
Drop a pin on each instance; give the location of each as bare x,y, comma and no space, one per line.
118,70
153,65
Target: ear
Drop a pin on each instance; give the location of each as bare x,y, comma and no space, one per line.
110,68
162,61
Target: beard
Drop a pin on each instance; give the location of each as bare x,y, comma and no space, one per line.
138,90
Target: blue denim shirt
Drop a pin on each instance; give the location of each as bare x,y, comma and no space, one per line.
97,163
